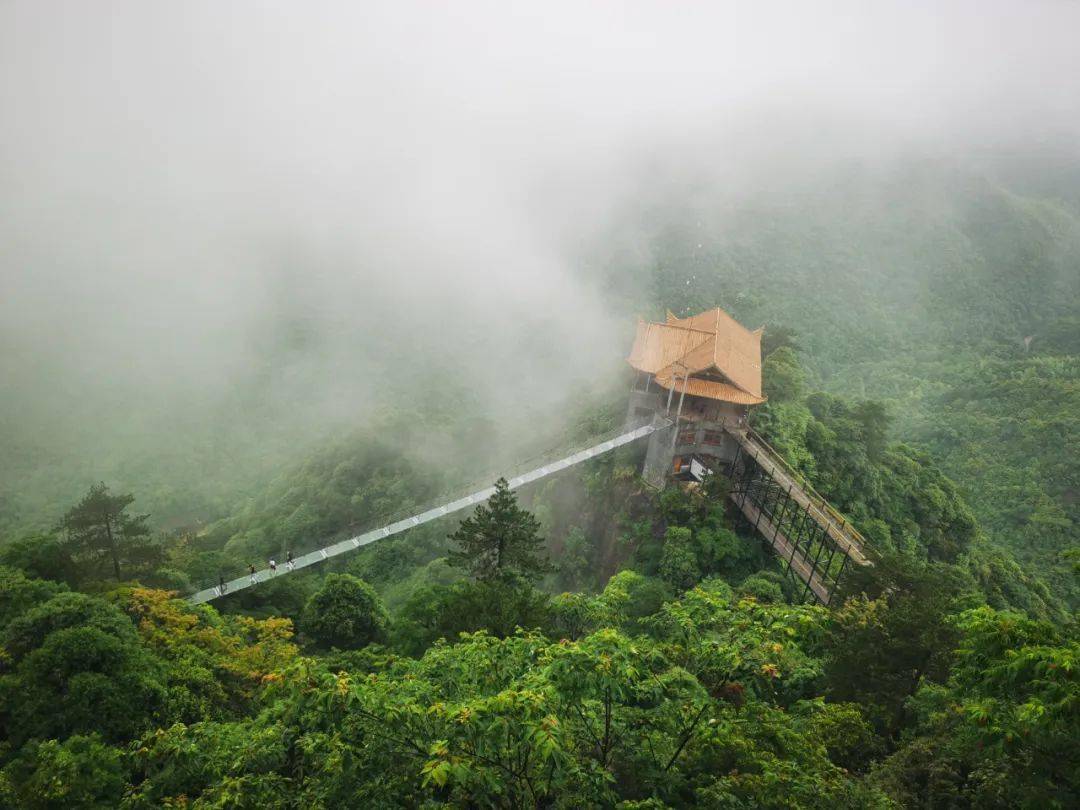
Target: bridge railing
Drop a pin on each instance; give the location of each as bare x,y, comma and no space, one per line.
839,519
539,465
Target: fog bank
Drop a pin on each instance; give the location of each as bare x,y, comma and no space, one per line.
307,211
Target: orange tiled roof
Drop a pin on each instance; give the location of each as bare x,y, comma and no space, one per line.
709,343
712,389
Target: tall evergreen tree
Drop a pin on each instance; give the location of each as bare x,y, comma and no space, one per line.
100,530
499,540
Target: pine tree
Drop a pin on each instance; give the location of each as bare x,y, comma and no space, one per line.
100,530
500,540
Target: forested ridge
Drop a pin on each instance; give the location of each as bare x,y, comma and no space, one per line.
591,642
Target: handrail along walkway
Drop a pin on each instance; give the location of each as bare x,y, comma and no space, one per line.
360,540
837,526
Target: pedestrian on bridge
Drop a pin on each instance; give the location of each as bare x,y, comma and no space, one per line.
273,568
251,570
223,586
289,560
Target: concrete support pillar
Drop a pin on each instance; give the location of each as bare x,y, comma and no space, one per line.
658,459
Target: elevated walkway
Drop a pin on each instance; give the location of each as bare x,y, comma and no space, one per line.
815,542
360,540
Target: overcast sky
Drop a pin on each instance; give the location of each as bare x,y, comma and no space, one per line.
173,176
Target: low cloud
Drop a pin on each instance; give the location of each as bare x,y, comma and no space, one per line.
308,208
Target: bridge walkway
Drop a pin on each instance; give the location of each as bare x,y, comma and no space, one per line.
361,540
815,542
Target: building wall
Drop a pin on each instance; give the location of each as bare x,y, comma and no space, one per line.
710,410
700,430
705,438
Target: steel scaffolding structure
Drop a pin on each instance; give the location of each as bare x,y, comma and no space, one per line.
815,542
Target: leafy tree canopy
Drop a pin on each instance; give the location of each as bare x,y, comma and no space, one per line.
345,612
500,539
100,531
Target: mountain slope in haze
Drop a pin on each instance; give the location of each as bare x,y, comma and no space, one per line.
943,293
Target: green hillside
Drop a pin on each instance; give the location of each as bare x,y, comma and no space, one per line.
626,647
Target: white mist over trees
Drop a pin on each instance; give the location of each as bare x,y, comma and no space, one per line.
253,225
273,274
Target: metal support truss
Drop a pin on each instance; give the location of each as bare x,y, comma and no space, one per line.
795,526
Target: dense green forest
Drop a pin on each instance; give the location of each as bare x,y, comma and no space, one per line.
591,642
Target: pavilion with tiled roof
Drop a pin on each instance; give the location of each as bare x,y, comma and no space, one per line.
710,356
